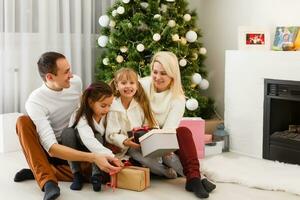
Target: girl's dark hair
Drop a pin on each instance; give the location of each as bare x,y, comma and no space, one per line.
97,91
140,95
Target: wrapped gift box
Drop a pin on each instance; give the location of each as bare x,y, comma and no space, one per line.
158,142
196,125
132,178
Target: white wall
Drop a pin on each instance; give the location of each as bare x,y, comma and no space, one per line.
219,21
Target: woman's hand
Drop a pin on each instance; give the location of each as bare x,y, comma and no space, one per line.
129,143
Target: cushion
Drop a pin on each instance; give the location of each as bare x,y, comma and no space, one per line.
9,140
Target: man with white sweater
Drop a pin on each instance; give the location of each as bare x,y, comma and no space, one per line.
49,108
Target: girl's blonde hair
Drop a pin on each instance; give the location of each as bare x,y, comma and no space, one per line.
170,64
139,96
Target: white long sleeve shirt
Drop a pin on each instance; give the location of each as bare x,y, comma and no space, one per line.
51,110
167,110
121,120
87,135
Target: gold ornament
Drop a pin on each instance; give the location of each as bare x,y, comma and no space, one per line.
183,40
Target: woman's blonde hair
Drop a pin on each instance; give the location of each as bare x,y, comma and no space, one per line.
170,64
140,95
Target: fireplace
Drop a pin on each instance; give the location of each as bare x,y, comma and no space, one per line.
281,122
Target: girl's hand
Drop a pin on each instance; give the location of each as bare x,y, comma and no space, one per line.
129,143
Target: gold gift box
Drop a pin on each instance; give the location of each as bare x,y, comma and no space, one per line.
132,178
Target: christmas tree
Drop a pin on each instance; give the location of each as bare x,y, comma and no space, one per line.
132,31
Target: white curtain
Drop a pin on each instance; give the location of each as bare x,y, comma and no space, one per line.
29,28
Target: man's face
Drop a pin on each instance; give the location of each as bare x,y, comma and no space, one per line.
62,78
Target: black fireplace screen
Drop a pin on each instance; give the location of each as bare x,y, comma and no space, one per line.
281,134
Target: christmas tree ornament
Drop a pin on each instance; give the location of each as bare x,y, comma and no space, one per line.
104,20
120,10
175,37
170,0
119,59
182,62
157,16
171,23
193,85
126,1
156,37
191,36
112,23
102,40
105,61
204,84
194,56
196,78
183,40
187,17
123,49
191,104
202,51
114,13
144,4
140,47
164,8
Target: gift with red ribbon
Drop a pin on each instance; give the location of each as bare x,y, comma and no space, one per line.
131,178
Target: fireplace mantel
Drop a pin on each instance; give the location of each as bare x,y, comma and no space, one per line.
245,72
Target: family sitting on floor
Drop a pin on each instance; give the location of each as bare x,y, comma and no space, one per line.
67,130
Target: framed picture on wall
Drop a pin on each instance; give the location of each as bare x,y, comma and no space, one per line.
285,38
253,38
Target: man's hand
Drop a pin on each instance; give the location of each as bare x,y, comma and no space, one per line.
107,163
129,143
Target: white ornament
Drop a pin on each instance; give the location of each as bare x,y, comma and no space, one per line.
112,23
196,78
187,17
164,8
175,37
120,10
202,50
140,47
191,36
105,61
204,84
170,0
114,13
157,16
171,23
144,4
191,104
123,49
182,62
102,40
156,37
104,20
126,1
119,58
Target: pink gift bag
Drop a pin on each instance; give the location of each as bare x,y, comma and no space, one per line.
197,126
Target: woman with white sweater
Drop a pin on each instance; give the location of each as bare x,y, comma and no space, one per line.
167,100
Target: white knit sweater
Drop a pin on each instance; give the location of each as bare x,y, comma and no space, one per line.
121,120
50,110
87,135
167,110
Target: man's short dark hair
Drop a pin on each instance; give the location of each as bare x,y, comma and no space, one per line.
47,63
